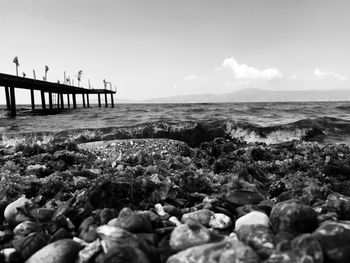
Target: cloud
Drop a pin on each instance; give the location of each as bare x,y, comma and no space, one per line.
243,71
195,78
319,74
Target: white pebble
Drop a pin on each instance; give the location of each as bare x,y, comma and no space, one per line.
252,218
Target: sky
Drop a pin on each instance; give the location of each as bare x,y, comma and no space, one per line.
159,48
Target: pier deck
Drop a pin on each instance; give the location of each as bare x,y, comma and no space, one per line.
10,82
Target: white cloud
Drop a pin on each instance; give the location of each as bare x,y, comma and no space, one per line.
243,71
319,74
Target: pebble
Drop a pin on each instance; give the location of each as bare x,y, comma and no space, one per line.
340,204
250,219
125,253
28,245
25,228
60,251
202,216
258,237
227,251
191,234
131,221
334,238
13,214
294,217
308,245
220,221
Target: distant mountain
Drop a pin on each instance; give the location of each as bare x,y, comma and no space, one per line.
258,95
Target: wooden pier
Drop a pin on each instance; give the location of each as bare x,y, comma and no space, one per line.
60,91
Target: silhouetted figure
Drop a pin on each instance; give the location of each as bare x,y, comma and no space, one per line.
24,75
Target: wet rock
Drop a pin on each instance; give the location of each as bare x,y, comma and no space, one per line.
106,215
228,250
172,210
28,245
61,251
283,241
125,253
115,236
191,234
42,214
14,213
258,237
25,228
250,219
131,221
293,216
308,245
340,204
334,238
244,197
202,216
61,233
89,251
220,221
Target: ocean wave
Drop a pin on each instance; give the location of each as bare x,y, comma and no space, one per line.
194,133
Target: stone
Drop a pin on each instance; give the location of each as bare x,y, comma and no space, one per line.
250,219
276,188
202,216
60,251
25,228
258,237
244,197
191,234
13,214
220,221
42,214
89,251
308,245
226,251
294,217
113,236
334,238
340,204
287,257
28,245
131,221
125,253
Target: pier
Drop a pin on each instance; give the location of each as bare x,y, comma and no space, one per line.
53,90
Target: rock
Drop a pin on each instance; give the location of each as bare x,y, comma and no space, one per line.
13,214
113,236
60,251
131,221
226,251
250,219
6,234
61,233
42,214
334,238
244,197
191,234
89,251
258,237
340,204
10,255
308,245
294,217
287,257
25,228
28,245
39,170
220,221
202,216
125,253
106,215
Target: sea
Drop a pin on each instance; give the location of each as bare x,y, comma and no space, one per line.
194,123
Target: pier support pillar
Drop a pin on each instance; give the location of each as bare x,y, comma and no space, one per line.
68,102
83,99
50,100
32,99
13,101
58,100
8,101
62,101
43,100
87,100
106,102
112,100
99,100
74,102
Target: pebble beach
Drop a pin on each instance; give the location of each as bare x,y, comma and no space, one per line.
159,200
